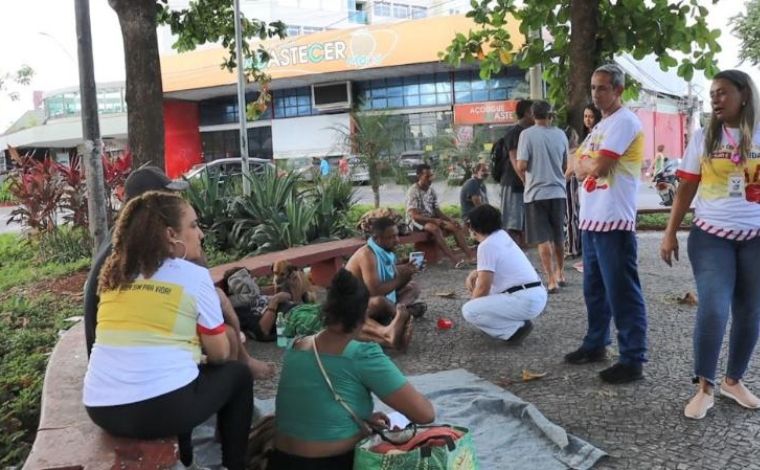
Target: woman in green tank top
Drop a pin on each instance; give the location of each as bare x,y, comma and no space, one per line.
314,431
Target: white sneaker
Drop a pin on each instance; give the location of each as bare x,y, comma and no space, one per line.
740,394
699,405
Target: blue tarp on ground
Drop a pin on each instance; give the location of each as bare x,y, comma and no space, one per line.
508,432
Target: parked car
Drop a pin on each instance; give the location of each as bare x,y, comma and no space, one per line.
409,161
226,168
358,171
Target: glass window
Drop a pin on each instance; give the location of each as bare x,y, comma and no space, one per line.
312,29
419,12
382,9
292,102
468,87
294,30
400,10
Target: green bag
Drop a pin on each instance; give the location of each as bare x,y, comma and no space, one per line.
455,455
303,320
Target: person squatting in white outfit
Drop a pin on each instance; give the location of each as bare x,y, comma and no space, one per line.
506,290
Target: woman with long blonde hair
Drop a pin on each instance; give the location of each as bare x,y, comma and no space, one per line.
722,169
156,311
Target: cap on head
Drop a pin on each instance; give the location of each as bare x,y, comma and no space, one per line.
150,178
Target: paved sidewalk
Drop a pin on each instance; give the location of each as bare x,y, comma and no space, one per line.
640,425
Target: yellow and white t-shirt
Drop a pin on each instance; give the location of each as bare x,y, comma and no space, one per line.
609,203
147,341
721,207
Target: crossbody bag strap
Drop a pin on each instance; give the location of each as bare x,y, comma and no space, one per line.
363,426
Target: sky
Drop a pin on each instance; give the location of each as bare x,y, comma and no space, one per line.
42,34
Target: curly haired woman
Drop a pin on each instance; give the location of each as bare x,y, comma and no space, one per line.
156,311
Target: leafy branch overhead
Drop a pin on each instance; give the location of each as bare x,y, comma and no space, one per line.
747,29
23,76
212,21
559,33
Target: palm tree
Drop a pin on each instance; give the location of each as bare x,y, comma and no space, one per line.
464,153
370,137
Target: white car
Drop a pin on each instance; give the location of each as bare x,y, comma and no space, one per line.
228,167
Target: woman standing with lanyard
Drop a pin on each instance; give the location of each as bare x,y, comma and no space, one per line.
723,163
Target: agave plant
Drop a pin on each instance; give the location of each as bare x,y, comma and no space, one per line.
211,200
333,197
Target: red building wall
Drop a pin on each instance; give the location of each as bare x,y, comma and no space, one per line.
182,137
662,128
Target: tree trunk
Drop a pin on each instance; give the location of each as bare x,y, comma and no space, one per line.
144,94
374,179
584,23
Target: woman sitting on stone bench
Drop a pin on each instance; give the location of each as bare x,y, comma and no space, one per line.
314,431
156,310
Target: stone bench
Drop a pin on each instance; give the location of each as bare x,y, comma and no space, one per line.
325,259
66,437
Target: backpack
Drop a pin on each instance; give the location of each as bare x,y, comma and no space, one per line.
499,157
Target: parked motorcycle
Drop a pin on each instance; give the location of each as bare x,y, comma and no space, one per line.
666,183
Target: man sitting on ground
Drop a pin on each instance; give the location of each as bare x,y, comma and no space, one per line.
506,291
425,214
392,292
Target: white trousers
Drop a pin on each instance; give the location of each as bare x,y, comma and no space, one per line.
500,315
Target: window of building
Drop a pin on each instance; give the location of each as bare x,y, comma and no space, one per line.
419,131
224,110
382,9
220,144
312,29
400,10
419,12
110,101
292,102
469,88
293,30
403,92
260,142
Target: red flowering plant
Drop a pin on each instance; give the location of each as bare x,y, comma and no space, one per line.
74,197
37,187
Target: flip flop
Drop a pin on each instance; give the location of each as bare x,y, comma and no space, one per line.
562,283
464,264
553,290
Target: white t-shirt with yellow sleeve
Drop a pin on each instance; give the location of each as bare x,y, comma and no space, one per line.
147,341
722,207
609,203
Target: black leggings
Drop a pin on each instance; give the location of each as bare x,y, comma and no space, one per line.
225,389
279,460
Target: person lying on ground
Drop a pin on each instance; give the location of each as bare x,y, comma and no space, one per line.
506,290
425,215
390,286
144,379
318,432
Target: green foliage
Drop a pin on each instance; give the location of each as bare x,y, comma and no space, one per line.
64,245
21,261
370,136
747,29
462,153
333,197
210,197
28,332
213,21
659,220
637,27
5,191
23,77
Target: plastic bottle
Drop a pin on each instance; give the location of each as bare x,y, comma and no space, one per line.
444,323
282,341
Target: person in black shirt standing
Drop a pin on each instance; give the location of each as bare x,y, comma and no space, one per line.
512,185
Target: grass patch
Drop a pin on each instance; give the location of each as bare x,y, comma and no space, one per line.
20,263
659,220
28,332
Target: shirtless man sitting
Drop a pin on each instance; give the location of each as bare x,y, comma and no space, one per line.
393,294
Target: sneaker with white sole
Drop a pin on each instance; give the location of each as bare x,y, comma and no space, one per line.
740,394
699,405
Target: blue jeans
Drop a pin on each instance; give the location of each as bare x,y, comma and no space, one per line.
727,274
612,290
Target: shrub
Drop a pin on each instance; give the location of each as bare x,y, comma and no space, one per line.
333,197
211,199
37,187
28,332
68,244
74,193
6,196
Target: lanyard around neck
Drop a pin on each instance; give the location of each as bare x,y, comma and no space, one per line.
735,155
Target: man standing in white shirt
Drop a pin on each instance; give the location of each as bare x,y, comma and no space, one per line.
609,164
